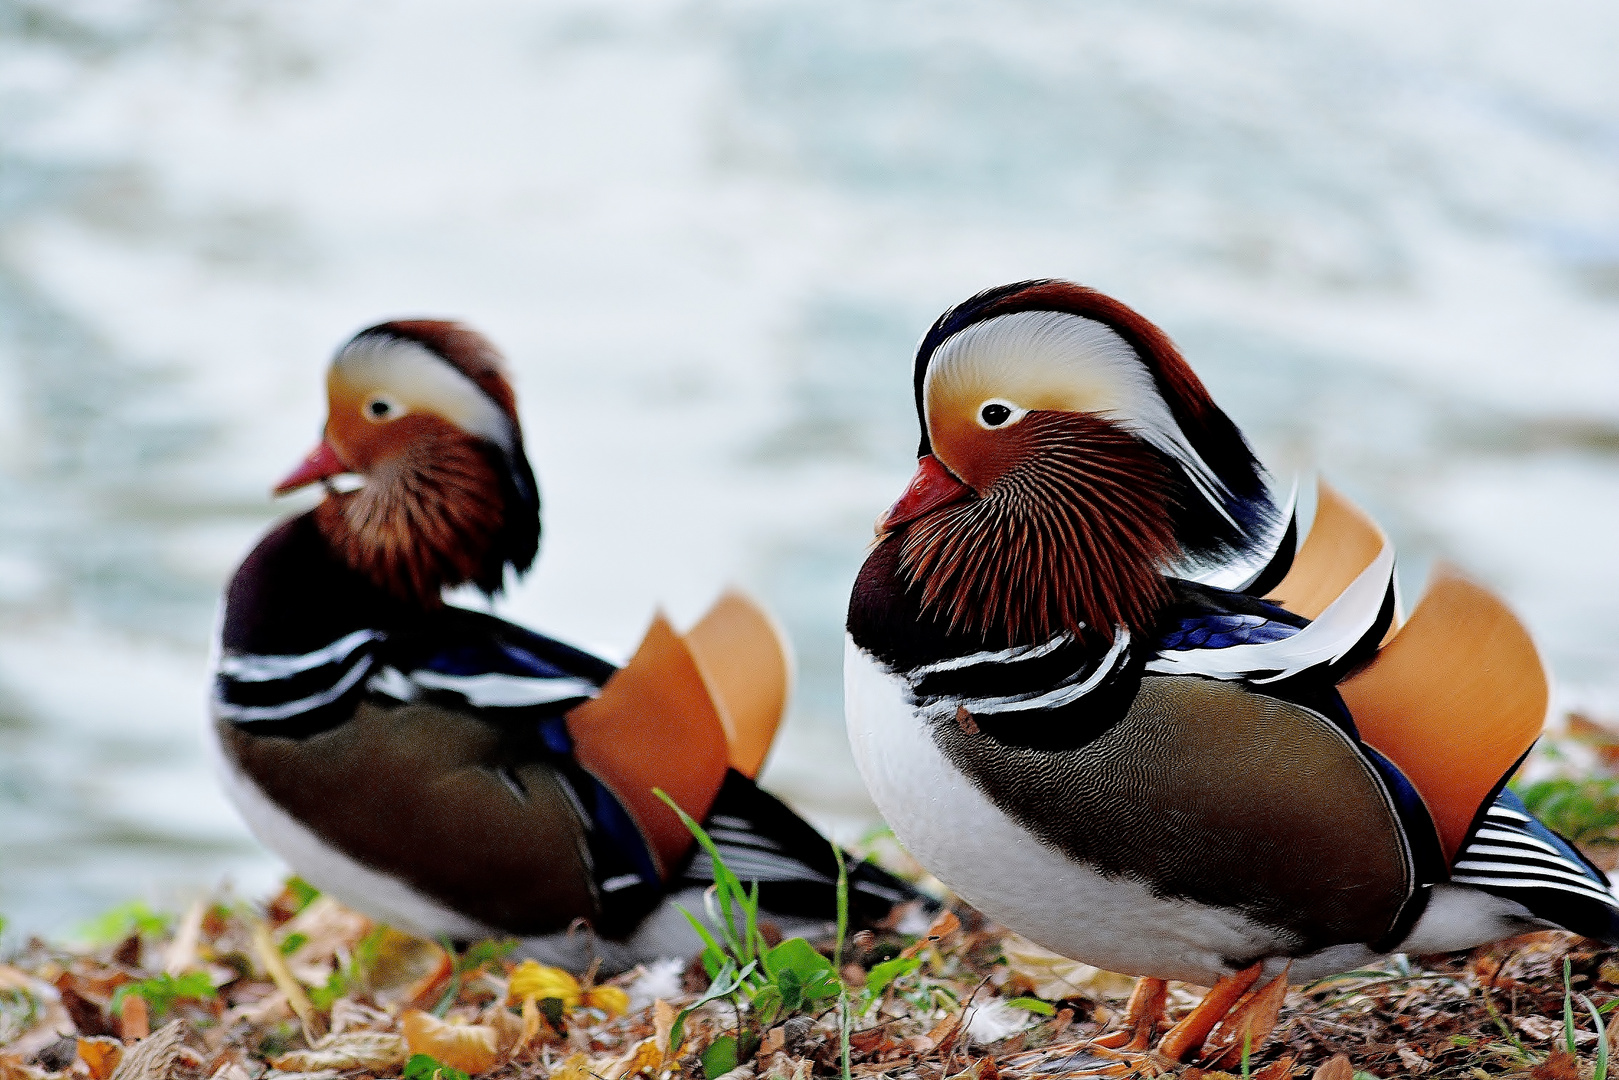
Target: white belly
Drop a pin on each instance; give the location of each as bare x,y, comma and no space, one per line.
1002,869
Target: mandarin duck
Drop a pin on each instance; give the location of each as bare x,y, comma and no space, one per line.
460,776
1098,689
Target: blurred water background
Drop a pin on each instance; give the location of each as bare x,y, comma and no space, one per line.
708,233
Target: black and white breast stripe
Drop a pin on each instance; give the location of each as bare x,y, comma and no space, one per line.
1513,851
1023,679
252,688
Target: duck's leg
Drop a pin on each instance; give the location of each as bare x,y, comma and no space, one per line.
1186,1038
1141,1017
1145,1011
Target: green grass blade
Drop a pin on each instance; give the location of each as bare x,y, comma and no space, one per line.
1601,1072
843,910
845,1022
750,930
1568,1008
727,885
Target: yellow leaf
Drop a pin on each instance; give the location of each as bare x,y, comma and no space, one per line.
609,999
531,979
577,1067
644,1057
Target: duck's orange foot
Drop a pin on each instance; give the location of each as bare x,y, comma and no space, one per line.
1233,1018
1233,1015
1141,1017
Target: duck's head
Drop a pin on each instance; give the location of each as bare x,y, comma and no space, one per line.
422,411
1069,458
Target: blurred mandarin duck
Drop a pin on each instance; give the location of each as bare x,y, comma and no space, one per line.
1098,689
455,774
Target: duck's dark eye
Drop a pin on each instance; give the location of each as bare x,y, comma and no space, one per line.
995,414
378,408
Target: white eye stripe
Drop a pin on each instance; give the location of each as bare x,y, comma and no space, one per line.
991,416
1081,362
408,375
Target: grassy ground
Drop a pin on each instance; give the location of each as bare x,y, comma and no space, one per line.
201,996
303,988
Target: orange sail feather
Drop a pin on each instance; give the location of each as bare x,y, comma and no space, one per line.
655,725
1455,700
745,659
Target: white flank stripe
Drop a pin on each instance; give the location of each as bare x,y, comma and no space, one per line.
1538,857
252,667
998,656
1518,837
253,713
1506,812
492,690
1327,639
744,838
1522,870
393,683
753,865
1588,890
1063,695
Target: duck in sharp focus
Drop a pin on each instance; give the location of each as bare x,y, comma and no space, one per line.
1095,689
460,776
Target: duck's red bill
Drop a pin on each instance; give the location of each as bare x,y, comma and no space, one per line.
933,486
321,463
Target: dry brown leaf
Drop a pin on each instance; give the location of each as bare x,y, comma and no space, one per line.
509,1029
374,1051
946,924
982,1069
269,954
182,951
430,987
1412,1059
400,962
468,1047
100,1054
1539,1028
1338,1068
1559,1065
154,1057
1054,977
1277,1070
12,1067
134,1019
328,928
663,1025
944,1033
350,1015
